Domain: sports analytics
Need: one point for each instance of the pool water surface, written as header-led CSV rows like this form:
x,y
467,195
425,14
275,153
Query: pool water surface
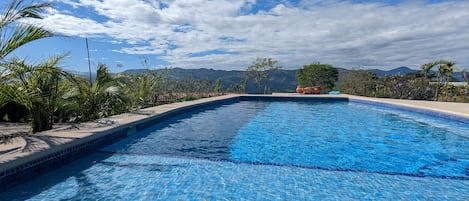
x,y
273,150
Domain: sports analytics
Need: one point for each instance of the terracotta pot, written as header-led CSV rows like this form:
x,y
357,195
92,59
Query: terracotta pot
x,y
316,89
307,90
299,89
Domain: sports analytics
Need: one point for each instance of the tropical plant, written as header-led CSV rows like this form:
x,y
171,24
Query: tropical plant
x,y
103,98
359,82
260,70
239,87
14,33
318,74
145,88
36,87
427,69
445,70
218,88
410,86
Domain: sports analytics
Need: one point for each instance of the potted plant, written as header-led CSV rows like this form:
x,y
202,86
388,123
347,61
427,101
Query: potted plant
x,y
299,89
316,89
307,90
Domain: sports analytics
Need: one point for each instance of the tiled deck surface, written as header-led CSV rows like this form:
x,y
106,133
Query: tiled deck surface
x,y
20,150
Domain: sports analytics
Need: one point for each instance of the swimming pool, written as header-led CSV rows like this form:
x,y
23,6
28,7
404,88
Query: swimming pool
x,y
273,150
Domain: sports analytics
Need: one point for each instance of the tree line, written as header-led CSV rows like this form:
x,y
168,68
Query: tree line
x,y
429,84
433,83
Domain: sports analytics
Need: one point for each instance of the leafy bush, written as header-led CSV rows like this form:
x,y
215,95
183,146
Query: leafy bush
x,y
410,86
318,74
359,82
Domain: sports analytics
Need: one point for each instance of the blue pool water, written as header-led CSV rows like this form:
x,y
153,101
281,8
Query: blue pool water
x,y
265,150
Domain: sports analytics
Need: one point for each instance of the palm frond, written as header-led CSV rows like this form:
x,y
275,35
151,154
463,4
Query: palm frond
x,y
16,93
22,34
17,10
13,32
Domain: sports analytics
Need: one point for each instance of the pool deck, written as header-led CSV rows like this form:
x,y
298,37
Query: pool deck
x,y
22,150
451,108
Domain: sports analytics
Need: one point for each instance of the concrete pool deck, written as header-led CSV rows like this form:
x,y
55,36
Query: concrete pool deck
x,y
27,151
450,108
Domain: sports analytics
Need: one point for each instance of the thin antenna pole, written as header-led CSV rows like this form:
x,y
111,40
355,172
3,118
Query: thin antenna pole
x,y
89,61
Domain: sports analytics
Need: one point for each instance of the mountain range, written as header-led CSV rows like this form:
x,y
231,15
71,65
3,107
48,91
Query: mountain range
x,y
279,81
397,71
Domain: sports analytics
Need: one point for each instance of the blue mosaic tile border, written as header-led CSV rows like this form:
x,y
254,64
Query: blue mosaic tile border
x,y
292,98
413,109
36,167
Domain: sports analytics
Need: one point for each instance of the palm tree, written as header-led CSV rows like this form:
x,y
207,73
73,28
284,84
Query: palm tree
x,y
260,70
446,73
103,98
36,87
15,34
426,69
143,88
445,69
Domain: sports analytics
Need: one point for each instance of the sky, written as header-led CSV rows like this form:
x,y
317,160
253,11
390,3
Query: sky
x,y
231,34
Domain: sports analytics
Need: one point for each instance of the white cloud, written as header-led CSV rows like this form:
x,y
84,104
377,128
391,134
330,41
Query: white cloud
x,y
337,32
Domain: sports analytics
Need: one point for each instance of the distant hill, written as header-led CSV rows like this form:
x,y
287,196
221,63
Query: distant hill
x,y
397,71
279,81
404,70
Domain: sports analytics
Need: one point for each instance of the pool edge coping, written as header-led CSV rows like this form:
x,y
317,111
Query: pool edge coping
x,y
413,107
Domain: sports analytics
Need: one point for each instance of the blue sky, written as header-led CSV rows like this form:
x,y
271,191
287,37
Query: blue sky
x,y
230,34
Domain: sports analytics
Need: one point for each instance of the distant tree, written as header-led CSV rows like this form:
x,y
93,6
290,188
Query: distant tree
x,y
464,74
427,69
260,70
359,82
446,68
409,86
143,88
239,87
318,74
218,88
